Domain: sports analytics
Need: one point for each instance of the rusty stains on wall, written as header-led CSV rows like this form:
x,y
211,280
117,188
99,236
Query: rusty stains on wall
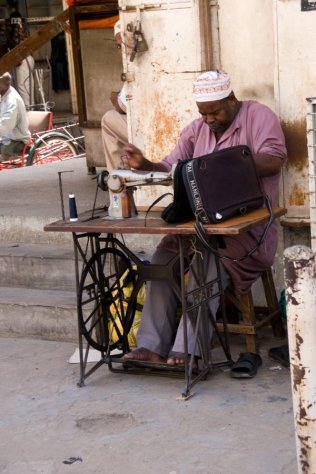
x,y
297,196
165,132
296,143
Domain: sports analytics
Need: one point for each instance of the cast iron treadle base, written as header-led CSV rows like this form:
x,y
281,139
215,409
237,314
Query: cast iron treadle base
x,y
138,366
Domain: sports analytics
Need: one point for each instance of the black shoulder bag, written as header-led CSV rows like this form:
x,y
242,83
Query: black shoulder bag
x,y
180,209
215,187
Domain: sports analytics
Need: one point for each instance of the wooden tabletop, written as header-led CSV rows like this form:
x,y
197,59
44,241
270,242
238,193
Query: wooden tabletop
x,y
99,223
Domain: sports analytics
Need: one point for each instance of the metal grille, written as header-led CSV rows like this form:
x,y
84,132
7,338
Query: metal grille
x,y
311,144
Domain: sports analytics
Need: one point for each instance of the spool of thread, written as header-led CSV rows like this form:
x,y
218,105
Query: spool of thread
x,y
72,208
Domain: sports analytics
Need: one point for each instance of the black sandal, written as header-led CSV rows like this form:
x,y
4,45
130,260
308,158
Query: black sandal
x,y
280,354
246,366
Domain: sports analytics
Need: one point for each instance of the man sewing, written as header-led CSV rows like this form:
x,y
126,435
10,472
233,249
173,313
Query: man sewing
x,y
114,122
225,121
14,132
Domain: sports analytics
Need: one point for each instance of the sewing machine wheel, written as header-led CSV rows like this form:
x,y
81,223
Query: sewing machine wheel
x,y
105,316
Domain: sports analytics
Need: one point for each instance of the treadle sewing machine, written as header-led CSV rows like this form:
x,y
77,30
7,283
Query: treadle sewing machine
x,y
101,259
121,184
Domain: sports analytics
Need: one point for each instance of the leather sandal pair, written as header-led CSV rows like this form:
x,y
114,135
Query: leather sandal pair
x,y
246,366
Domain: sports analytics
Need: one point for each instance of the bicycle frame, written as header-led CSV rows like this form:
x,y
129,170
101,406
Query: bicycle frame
x,y
51,143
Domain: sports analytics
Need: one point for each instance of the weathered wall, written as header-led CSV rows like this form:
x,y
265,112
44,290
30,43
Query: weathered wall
x,y
160,79
297,80
102,68
247,47
268,47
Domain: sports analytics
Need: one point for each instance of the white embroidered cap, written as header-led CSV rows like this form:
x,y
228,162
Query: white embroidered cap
x,y
211,86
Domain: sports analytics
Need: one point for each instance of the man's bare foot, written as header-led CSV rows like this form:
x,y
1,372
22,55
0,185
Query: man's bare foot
x,y
145,355
178,359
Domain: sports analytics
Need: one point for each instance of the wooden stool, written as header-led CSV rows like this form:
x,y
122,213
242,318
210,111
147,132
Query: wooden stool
x,y
254,318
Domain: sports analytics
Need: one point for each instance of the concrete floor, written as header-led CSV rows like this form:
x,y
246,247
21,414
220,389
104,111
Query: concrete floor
x,y
34,191
122,423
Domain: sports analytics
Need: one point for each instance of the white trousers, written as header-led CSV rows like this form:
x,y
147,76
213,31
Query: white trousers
x,y
114,137
158,323
24,80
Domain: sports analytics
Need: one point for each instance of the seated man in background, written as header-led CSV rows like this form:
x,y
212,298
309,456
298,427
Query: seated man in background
x,y
225,122
14,131
113,123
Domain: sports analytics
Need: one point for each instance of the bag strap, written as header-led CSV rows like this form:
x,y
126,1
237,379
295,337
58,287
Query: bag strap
x,y
201,232
156,202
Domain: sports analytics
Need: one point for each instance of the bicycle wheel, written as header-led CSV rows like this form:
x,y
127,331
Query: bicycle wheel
x,y
104,316
52,147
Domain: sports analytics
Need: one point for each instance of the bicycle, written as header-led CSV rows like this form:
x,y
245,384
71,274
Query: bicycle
x,y
47,144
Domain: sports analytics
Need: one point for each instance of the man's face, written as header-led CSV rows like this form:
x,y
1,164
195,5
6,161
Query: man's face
x,y
218,115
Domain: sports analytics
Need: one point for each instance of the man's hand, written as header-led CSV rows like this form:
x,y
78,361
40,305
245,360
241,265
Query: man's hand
x,y
132,157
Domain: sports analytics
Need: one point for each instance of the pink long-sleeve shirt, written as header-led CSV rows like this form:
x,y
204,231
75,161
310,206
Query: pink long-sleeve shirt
x,y
258,127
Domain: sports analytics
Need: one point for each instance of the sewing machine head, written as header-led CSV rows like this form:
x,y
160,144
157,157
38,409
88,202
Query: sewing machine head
x,y
120,181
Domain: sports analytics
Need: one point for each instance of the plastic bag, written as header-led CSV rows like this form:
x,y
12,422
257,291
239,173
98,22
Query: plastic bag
x,y
114,332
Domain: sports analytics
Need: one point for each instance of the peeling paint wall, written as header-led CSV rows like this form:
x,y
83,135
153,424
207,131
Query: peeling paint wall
x,y
247,48
160,100
268,47
297,80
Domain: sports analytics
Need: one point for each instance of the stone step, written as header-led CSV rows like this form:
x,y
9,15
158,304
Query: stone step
x,y
43,314
37,266
44,266
30,229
